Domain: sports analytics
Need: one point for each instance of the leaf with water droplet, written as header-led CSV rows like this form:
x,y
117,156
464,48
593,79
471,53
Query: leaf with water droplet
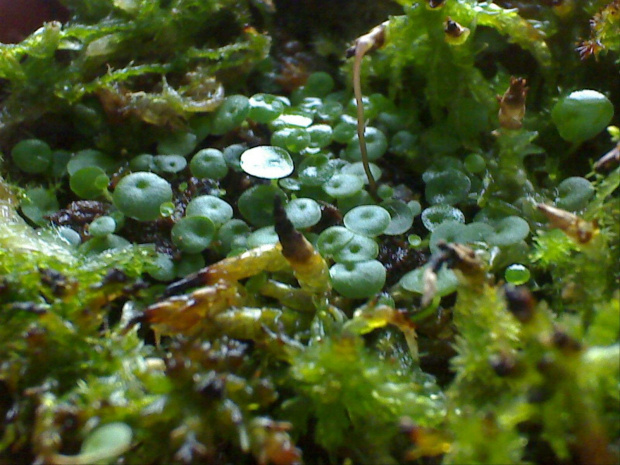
x,y
267,162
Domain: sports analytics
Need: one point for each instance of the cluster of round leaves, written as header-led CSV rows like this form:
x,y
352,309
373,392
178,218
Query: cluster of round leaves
x,y
88,169
301,156
313,157
451,184
145,194
356,272
578,116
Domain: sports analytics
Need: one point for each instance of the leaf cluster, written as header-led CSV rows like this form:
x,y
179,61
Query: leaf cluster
x,y
405,352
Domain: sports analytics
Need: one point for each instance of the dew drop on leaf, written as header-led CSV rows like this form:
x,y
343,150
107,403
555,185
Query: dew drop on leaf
x,y
267,162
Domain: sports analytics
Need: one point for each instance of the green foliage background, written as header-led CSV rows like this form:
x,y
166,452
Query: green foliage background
x,y
499,379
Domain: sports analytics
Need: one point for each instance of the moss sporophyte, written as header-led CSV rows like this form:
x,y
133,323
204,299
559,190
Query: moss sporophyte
x,y
223,242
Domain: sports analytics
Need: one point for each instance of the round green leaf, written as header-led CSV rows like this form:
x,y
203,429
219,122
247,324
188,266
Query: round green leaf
x,y
193,234
89,158
169,163
214,208
433,216
509,230
415,207
208,163
320,135
343,185
414,240
447,187
447,281
303,213
264,108
404,144
293,139
189,263
574,194
359,248
582,115
357,169
162,268
178,143
376,145
230,114
319,84
256,204
358,280
440,165
233,235
290,184
70,236
106,442
32,156
60,158
359,198
368,220
293,117
401,214
308,104
102,226
139,195
97,245
345,130
477,232
262,236
142,162
329,112
267,162
89,183
232,156
316,170
475,163
333,239
448,231
38,204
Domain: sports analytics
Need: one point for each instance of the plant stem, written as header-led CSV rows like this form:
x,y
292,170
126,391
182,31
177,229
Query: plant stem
x,y
361,123
364,44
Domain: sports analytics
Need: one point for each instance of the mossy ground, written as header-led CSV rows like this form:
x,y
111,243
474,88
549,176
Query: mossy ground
x,y
447,364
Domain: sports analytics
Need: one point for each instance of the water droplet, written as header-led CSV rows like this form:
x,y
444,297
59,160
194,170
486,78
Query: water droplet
x,y
517,274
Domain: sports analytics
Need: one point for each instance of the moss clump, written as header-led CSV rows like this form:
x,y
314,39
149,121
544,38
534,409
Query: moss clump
x,y
312,312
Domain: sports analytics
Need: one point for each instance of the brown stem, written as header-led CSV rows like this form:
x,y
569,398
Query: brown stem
x,y
361,123
364,44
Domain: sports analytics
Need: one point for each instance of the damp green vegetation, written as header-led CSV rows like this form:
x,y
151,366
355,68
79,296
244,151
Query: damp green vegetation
x,y
199,262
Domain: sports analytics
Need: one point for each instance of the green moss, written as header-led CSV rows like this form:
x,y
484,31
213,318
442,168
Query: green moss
x,y
114,51
428,357
355,396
